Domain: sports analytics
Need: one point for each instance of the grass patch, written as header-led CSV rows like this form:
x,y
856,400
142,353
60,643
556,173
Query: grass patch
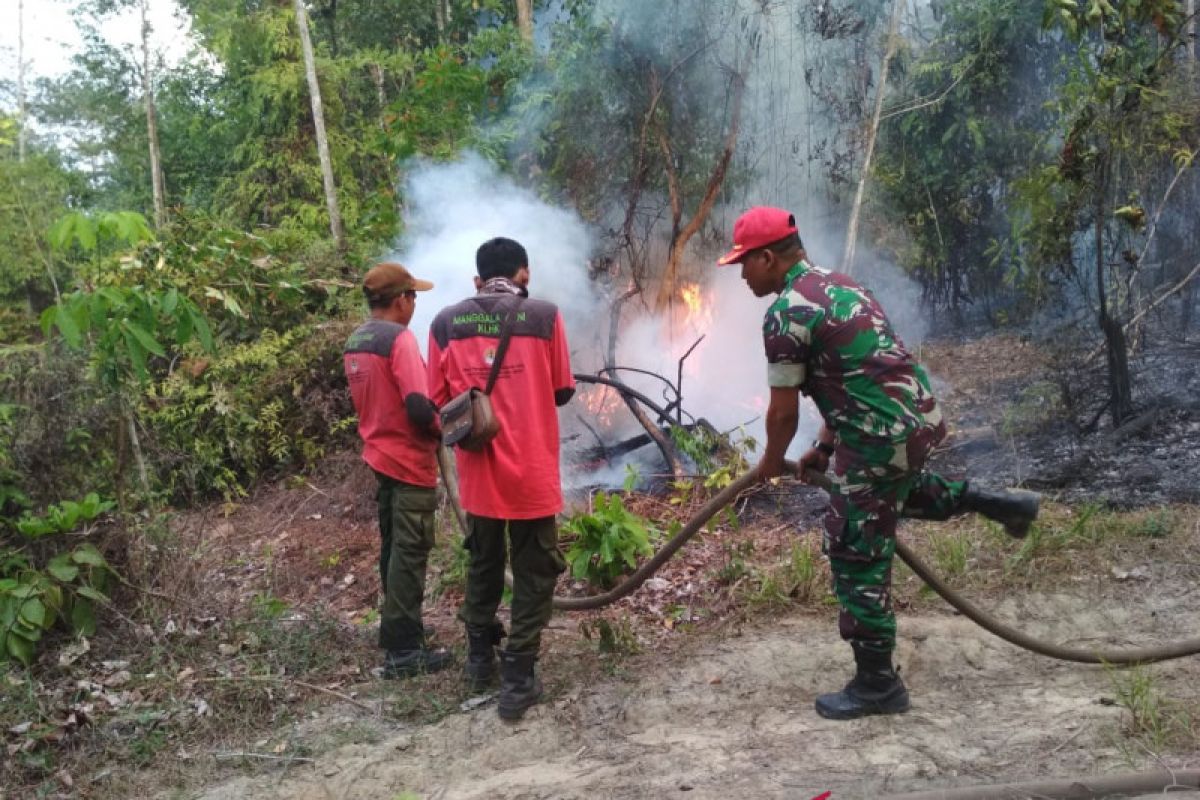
x,y
1089,539
1152,724
800,578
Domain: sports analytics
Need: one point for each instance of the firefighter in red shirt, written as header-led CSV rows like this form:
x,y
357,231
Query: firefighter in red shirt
x,y
512,485
399,427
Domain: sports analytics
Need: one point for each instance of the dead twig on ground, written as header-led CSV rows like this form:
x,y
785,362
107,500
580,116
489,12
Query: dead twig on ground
x,y
225,756
303,684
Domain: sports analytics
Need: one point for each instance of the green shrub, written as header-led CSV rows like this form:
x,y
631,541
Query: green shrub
x,y
276,402
57,431
608,540
61,586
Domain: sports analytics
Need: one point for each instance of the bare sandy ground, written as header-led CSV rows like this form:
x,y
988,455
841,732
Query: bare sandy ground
x,y
733,717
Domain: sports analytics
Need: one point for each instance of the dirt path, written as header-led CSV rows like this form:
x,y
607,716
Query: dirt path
x,y
734,718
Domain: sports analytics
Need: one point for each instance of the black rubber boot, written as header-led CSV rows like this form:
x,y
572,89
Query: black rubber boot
x,y
482,641
875,689
519,685
414,658
1012,508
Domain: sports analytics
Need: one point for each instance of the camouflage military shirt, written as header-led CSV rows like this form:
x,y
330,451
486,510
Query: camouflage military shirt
x,y
828,336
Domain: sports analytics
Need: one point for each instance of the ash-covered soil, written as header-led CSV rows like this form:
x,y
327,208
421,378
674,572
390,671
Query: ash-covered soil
x,y
1019,418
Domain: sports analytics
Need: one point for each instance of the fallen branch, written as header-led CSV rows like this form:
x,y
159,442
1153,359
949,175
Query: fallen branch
x,y
275,679
264,756
630,395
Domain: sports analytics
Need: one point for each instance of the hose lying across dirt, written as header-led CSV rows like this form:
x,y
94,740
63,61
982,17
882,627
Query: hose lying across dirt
x,y
1141,655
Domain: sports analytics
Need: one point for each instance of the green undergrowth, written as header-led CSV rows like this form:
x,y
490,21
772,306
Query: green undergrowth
x,y
972,552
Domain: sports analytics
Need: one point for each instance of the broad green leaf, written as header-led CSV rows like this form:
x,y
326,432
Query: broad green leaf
x,y
183,328
112,295
203,332
137,355
59,235
147,341
62,569
33,611
67,326
83,617
46,320
88,554
19,649
91,594
26,631
85,231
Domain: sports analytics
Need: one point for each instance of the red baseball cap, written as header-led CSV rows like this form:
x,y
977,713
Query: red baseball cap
x,y
758,227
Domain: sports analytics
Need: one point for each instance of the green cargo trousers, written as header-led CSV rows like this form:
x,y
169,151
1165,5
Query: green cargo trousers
x,y
536,565
873,486
406,528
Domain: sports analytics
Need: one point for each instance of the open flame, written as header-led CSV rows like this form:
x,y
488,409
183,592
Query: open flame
x,y
602,404
699,315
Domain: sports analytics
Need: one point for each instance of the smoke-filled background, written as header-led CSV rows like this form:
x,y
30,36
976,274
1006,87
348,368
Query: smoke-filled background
x,y
451,208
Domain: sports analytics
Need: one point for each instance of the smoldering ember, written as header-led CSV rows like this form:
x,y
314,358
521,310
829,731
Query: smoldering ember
x,y
595,399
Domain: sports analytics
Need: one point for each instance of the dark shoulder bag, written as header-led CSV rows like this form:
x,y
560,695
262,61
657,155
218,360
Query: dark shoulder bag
x,y
468,420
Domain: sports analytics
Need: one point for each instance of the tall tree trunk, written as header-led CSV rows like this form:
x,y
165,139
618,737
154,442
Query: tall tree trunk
x,y
314,92
1190,295
889,50
681,235
1120,391
443,16
156,174
21,81
525,19
1191,33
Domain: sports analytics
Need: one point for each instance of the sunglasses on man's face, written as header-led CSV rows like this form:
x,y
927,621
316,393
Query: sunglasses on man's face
x,y
411,294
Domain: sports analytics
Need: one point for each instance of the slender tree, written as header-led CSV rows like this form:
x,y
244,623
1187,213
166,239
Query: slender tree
x,y
156,173
525,19
872,134
682,233
21,121
314,91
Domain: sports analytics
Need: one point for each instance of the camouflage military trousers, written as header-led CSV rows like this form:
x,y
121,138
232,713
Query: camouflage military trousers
x,y
536,565
873,486
406,531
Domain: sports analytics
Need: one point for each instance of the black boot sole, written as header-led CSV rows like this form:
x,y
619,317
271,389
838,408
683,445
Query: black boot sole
x,y
897,705
511,713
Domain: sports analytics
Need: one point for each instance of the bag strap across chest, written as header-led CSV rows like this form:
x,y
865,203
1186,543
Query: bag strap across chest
x,y
502,347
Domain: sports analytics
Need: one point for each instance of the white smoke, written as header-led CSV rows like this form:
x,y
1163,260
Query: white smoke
x,y
453,208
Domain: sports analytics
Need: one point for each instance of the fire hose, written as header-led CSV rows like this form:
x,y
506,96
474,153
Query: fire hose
x,y
1127,657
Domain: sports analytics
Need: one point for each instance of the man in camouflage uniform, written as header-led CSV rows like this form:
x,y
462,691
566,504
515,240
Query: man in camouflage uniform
x,y
827,337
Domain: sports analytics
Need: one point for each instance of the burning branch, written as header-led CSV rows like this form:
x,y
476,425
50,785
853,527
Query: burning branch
x,y
681,236
637,403
632,398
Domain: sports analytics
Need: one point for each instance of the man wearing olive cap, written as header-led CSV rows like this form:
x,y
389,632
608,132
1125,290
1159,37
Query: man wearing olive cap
x,y
399,427
827,337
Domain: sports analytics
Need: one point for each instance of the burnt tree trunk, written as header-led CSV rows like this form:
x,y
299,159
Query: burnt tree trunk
x,y
681,235
1120,389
